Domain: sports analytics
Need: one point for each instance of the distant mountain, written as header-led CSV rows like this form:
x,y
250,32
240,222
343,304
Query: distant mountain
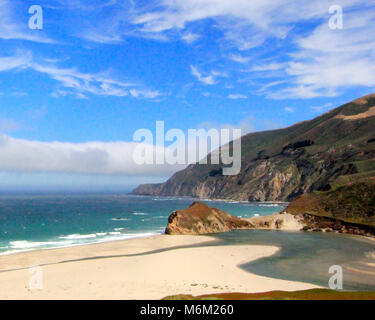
x,y
329,151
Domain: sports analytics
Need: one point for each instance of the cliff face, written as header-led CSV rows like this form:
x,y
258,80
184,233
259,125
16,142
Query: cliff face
x,y
281,165
201,219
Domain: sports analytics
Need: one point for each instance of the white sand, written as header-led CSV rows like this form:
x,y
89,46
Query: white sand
x,y
199,270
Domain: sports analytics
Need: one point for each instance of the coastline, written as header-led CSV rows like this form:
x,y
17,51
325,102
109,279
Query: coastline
x,y
72,245
142,268
115,224
230,200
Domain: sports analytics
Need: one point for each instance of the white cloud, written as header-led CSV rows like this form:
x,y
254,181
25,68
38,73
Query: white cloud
x,y
108,158
269,67
97,84
316,63
237,96
144,93
239,58
190,37
323,61
208,79
319,62
328,61
102,158
322,108
246,23
19,61
289,109
74,82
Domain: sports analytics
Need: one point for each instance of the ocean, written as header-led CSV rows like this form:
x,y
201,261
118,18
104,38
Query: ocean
x,y
44,221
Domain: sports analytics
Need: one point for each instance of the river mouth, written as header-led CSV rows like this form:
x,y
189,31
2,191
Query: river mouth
x,y
307,256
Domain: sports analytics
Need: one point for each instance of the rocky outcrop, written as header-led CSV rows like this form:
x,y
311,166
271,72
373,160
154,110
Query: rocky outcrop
x,y
324,224
278,221
280,165
201,219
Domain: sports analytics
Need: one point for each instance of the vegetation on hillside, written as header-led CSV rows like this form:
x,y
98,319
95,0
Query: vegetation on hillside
x,y
352,203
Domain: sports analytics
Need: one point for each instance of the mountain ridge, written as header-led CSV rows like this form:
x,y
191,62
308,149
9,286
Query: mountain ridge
x,y
280,165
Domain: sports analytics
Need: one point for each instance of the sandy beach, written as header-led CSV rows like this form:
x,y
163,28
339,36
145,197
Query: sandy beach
x,y
144,268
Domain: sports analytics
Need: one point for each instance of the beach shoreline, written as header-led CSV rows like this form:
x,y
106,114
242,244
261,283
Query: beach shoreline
x,y
140,268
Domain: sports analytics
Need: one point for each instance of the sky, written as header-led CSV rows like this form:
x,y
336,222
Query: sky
x,y
73,93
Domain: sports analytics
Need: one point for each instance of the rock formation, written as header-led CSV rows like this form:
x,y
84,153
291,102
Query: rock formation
x,y
201,219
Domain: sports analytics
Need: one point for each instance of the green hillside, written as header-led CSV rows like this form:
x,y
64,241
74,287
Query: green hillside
x,y
280,165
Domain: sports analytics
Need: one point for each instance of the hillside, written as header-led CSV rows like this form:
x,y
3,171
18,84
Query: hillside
x,y
347,209
280,165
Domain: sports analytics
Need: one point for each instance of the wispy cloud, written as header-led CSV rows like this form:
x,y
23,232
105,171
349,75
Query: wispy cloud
x,y
209,78
190,37
289,109
245,23
18,61
237,96
300,61
322,62
322,108
239,58
151,94
72,81
269,67
328,61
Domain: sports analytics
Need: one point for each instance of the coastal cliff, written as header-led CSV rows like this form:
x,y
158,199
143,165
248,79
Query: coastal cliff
x,y
280,165
201,219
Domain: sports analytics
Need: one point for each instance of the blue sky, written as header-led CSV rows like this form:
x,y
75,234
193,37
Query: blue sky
x,y
100,70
